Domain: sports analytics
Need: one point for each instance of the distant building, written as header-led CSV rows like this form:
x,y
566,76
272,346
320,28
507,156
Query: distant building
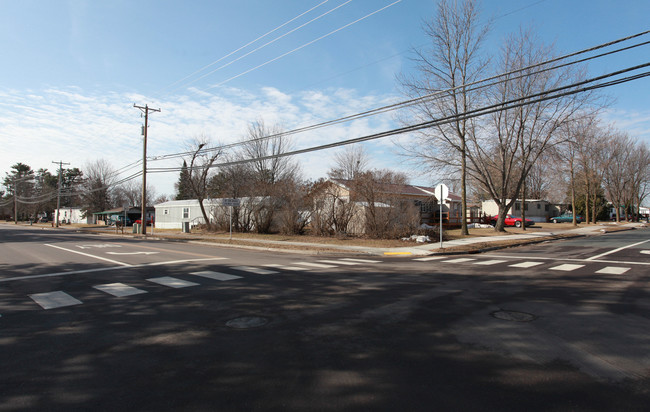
x,y
71,215
535,209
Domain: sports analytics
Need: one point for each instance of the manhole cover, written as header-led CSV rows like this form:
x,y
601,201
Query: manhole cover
x,y
247,322
513,315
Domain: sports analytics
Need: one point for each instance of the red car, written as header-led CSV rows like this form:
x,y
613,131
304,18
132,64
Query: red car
x,y
511,221
150,221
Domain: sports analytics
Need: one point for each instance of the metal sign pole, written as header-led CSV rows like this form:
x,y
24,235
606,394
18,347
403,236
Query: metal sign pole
x,y
441,192
440,201
230,222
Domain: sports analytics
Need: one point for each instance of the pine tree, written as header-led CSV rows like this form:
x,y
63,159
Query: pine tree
x,y
183,187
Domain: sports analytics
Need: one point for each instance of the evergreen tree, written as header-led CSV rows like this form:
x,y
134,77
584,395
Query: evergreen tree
x,y
183,187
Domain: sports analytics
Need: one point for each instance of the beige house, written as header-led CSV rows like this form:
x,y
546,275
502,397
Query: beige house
x,y
350,207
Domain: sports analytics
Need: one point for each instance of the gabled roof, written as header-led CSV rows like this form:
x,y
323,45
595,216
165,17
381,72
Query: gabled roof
x,y
397,189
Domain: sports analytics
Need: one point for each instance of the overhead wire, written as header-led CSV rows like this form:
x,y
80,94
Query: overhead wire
x,y
473,86
302,46
240,48
270,42
577,87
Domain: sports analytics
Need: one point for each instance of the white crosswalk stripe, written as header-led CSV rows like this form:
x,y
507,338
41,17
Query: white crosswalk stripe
x,y
567,267
613,270
315,265
172,282
361,260
119,289
53,300
215,275
253,269
429,258
459,260
339,262
525,264
489,262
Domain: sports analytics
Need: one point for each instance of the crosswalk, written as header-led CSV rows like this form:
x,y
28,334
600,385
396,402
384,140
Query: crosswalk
x,y
525,264
58,299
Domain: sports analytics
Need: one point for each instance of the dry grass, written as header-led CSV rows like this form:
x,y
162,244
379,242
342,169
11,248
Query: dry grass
x,y
312,243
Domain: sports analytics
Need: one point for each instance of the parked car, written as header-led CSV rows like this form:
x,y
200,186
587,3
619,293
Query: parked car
x,y
150,221
121,221
510,221
566,217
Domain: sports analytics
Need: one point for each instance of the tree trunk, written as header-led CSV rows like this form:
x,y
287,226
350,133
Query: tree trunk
x,y
464,231
573,196
208,225
499,226
587,201
523,206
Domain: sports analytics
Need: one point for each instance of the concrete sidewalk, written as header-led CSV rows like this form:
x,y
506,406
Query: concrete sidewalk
x,y
433,248
451,246
463,245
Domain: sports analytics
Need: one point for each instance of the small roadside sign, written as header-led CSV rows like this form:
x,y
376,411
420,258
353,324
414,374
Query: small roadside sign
x,y
231,202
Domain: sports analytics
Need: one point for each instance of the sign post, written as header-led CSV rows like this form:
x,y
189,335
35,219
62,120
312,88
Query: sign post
x,y
232,203
442,191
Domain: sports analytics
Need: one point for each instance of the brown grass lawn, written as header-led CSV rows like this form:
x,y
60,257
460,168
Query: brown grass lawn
x,y
257,239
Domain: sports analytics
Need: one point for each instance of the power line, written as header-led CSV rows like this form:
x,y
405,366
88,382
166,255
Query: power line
x,y
514,103
302,46
270,42
241,48
478,85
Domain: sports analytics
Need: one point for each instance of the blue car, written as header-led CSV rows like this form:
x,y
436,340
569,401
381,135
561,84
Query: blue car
x,y
566,218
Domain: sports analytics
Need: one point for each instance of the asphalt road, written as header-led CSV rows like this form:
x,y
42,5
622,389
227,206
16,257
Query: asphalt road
x,y
92,322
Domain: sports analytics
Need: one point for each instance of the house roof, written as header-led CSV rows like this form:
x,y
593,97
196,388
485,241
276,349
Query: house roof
x,y
397,189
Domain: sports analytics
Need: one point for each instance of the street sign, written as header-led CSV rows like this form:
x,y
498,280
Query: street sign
x,y
442,191
231,202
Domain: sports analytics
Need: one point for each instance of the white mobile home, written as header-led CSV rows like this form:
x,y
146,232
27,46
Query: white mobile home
x,y
172,214
536,210
71,215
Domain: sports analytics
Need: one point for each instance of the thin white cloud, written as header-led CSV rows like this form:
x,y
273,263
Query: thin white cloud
x,y
67,124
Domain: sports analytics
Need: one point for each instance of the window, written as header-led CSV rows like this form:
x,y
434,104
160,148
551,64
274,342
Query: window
x,y
546,208
165,211
517,207
539,206
186,213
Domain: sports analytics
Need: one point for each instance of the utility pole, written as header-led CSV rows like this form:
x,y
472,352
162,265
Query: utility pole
x,y
15,201
58,194
143,217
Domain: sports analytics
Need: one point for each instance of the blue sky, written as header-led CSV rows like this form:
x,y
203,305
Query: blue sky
x,y
73,69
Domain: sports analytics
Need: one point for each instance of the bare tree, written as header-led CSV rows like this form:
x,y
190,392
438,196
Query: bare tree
x,y
640,169
332,212
349,163
270,172
201,162
448,67
98,186
387,214
514,138
617,178
130,193
579,136
263,147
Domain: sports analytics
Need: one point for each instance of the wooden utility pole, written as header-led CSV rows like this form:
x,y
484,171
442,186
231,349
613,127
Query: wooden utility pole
x,y
58,194
143,217
15,201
